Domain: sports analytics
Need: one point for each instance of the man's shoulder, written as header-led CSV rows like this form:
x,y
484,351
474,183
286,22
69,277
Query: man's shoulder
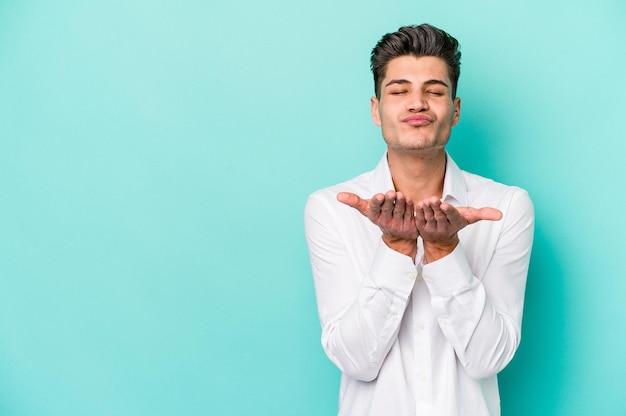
x,y
322,205
359,185
491,191
476,181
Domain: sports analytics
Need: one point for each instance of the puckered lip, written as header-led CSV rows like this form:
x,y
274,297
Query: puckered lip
x,y
417,119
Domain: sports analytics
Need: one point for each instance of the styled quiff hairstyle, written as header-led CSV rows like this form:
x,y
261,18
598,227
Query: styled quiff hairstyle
x,y
422,40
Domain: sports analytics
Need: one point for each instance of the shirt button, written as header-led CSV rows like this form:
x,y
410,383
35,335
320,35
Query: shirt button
x,y
427,279
444,321
412,275
394,317
421,326
419,278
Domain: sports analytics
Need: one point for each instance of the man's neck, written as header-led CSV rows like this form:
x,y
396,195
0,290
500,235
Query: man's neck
x,y
418,174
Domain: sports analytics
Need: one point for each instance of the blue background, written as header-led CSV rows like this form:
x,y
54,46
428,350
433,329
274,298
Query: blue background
x,y
155,158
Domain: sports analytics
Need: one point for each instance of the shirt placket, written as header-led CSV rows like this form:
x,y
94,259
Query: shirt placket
x,y
422,347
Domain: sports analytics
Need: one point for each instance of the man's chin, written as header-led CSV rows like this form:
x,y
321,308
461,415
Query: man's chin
x,y
416,147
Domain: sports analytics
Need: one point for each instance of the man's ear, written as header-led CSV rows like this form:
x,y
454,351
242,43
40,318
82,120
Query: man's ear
x,y
375,112
457,111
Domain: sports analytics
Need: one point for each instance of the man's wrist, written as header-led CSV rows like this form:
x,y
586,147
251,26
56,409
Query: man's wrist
x,y
434,251
408,247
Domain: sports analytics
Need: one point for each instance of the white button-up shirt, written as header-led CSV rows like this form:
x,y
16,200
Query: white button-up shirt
x,y
415,338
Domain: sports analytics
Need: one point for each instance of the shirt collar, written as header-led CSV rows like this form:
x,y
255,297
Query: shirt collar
x,y
381,177
454,189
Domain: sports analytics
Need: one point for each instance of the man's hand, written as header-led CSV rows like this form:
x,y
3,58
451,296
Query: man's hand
x,y
393,214
438,223
402,222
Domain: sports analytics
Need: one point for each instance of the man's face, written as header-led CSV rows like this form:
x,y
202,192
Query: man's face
x,y
416,109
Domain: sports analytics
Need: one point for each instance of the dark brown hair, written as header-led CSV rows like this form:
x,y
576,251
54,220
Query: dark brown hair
x,y
422,40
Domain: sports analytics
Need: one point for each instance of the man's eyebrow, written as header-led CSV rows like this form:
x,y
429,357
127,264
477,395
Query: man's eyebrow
x,y
436,82
397,81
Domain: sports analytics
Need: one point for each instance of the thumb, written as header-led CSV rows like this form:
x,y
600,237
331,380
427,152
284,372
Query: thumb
x,y
354,201
473,215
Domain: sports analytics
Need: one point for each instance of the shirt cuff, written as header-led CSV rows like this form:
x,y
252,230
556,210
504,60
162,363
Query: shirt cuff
x,y
449,275
392,270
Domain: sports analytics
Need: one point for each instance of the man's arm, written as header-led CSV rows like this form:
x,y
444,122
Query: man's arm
x,y
362,285
481,318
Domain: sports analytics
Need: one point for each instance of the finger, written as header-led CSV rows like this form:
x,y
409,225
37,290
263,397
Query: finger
x,y
400,206
375,206
409,210
425,220
472,215
489,214
440,216
420,218
387,206
453,216
429,214
354,201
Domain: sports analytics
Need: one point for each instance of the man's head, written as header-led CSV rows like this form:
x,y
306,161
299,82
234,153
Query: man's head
x,y
416,71
422,40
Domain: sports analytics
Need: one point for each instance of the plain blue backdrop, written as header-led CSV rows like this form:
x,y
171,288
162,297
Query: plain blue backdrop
x,y
155,158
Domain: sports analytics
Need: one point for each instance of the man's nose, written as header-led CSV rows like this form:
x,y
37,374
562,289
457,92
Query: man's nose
x,y
417,101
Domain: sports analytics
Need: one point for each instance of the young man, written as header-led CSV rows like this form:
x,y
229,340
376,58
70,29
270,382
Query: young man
x,y
419,267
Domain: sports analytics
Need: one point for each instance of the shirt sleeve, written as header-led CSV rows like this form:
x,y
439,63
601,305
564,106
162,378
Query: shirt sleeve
x,y
360,306
481,318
